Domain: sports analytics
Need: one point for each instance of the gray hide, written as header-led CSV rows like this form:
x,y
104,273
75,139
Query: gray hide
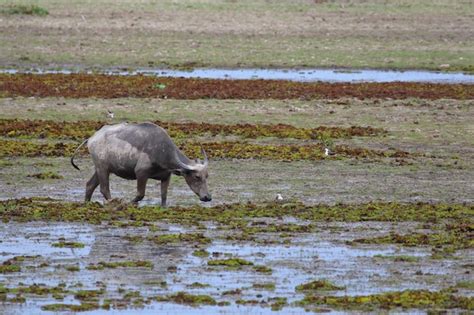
x,y
141,151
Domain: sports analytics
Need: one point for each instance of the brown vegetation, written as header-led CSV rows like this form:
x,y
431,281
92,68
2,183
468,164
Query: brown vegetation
x,y
107,86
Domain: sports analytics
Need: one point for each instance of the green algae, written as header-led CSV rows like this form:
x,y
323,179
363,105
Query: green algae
x,y
262,269
30,209
400,258
197,285
187,299
125,264
88,295
135,239
279,228
9,268
201,253
248,302
17,299
73,268
132,295
58,307
36,289
421,299
277,303
318,285
158,282
232,292
62,244
467,284
265,286
450,237
167,239
230,262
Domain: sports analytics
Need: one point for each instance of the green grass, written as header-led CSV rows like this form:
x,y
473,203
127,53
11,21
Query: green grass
x,y
230,262
242,51
63,244
318,285
23,10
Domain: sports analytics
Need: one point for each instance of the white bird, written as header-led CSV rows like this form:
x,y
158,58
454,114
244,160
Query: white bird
x,y
328,152
110,114
279,197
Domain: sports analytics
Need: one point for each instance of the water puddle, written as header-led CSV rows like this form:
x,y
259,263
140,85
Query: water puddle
x,y
322,254
298,75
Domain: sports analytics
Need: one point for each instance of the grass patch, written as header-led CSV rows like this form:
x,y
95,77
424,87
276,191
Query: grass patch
x,y
24,10
63,244
318,285
265,286
468,284
88,295
451,236
262,269
187,299
30,209
198,285
46,175
59,307
125,264
400,258
79,130
230,262
161,283
277,303
419,299
73,268
168,239
201,253
225,149
36,289
9,268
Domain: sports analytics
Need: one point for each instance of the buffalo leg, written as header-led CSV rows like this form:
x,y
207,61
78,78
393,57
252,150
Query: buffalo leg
x,y
141,186
164,190
91,186
104,183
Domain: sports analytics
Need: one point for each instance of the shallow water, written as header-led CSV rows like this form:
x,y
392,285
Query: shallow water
x,y
299,75
322,254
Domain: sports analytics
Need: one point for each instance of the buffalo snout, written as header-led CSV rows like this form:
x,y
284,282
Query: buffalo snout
x,y
206,198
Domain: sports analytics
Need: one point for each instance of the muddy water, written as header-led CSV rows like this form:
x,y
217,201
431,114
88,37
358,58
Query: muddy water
x,y
299,75
319,182
322,254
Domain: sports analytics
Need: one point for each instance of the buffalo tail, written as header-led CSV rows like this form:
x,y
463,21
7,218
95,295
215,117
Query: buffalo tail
x,y
75,152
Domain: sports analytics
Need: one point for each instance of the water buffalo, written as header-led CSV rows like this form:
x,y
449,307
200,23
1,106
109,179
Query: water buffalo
x,y
141,151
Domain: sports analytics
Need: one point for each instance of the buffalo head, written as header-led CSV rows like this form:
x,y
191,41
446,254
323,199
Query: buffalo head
x,y
196,176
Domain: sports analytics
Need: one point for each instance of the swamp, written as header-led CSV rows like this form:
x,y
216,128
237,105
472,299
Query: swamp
x,y
340,138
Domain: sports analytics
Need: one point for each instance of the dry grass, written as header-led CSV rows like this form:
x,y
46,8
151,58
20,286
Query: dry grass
x,y
374,33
